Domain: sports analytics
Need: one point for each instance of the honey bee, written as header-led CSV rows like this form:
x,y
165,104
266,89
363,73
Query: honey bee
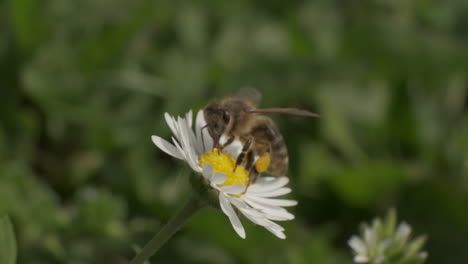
x,y
237,117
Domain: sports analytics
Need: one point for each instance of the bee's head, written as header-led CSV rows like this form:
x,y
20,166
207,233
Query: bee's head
x,y
217,119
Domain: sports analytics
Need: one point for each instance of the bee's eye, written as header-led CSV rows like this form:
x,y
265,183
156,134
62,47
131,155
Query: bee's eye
x,y
226,116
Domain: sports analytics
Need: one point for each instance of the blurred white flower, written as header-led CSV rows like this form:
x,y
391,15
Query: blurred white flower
x,y
384,242
255,200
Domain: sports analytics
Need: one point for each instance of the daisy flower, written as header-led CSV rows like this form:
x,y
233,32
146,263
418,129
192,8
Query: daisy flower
x,y
255,201
385,242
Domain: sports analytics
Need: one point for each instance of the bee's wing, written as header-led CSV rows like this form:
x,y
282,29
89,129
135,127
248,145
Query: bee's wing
x,y
288,111
250,94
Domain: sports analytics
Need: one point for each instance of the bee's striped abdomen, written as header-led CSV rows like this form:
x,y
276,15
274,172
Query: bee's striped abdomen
x,y
267,138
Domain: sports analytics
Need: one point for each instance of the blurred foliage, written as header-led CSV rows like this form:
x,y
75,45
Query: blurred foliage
x,y
84,84
7,241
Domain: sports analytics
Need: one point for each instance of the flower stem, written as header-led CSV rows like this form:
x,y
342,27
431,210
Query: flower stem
x,y
191,207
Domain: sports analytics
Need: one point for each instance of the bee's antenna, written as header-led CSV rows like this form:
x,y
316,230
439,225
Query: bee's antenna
x,y
288,111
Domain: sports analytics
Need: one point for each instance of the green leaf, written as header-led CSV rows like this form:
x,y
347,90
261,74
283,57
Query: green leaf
x,y
27,22
390,222
7,241
368,182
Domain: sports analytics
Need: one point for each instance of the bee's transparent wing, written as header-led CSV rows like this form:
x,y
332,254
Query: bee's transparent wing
x,y
250,94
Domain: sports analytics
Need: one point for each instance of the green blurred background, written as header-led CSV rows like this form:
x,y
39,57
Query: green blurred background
x,y
84,84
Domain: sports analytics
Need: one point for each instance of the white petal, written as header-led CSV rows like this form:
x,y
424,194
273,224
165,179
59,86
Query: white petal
x,y
245,208
181,150
196,146
276,232
260,205
202,133
276,202
383,245
218,178
357,245
380,259
195,143
369,236
238,202
269,225
229,211
266,184
274,225
235,148
423,255
187,145
167,147
199,123
274,193
279,215
189,118
184,130
193,165
172,124
403,232
207,139
271,212
223,139
361,259
256,217
207,172
233,189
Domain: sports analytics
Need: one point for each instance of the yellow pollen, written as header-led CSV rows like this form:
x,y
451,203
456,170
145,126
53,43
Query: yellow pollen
x,y
263,163
226,164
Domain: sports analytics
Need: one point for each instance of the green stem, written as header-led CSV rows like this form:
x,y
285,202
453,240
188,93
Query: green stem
x,y
192,206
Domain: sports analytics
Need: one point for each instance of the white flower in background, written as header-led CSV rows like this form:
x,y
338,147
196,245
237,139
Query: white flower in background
x,y
385,243
255,201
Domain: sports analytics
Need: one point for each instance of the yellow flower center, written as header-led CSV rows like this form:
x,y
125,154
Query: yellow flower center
x,y
226,164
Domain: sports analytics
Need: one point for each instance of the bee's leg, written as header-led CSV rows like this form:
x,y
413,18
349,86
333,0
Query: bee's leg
x,y
244,152
250,160
221,147
228,142
250,166
255,167
263,162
